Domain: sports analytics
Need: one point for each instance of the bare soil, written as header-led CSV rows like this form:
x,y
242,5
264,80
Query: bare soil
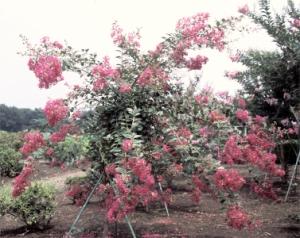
x,y
278,219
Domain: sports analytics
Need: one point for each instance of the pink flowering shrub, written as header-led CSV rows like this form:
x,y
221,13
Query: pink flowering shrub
x,y
144,128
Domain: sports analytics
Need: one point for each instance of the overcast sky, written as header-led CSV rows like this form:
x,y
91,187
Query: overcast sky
x,y
87,24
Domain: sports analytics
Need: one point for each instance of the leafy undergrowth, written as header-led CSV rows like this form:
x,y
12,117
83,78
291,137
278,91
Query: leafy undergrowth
x,y
276,219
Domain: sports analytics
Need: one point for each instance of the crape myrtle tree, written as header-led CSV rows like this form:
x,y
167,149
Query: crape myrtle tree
x,y
144,128
272,78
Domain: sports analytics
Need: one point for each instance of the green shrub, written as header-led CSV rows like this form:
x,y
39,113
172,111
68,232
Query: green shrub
x,y
11,139
10,164
35,207
5,200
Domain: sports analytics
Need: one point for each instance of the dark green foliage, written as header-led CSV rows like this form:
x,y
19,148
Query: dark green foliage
x,y
274,74
10,143
10,164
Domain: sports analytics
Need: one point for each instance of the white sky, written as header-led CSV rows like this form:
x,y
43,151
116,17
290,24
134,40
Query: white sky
x,y
87,24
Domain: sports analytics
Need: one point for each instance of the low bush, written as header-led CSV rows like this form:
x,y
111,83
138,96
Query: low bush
x,y
35,206
10,164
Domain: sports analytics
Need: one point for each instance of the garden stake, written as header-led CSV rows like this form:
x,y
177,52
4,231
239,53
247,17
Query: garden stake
x,y
166,205
292,178
84,205
126,217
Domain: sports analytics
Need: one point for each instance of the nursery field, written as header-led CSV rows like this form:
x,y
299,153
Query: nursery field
x,y
275,218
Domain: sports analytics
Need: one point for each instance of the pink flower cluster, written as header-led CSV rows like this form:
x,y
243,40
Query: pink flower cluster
x,y
232,74
244,9
216,116
201,99
61,134
55,44
123,199
195,30
47,69
254,149
55,111
132,39
235,58
125,88
151,76
264,190
127,145
237,218
242,115
296,23
141,169
198,187
102,72
33,141
191,26
232,152
196,63
228,179
21,181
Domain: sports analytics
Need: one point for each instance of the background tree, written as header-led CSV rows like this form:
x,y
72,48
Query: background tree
x,y
272,79
17,119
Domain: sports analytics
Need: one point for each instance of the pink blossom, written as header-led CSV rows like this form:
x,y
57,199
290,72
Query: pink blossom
x,y
237,218
201,99
99,84
216,116
21,181
33,141
259,119
265,190
204,131
184,132
244,9
232,153
242,103
61,134
191,26
110,169
158,50
151,76
131,39
47,69
127,145
232,74
235,58
125,88
49,152
142,170
296,23
76,115
102,73
55,111
228,179
242,115
196,63
57,45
